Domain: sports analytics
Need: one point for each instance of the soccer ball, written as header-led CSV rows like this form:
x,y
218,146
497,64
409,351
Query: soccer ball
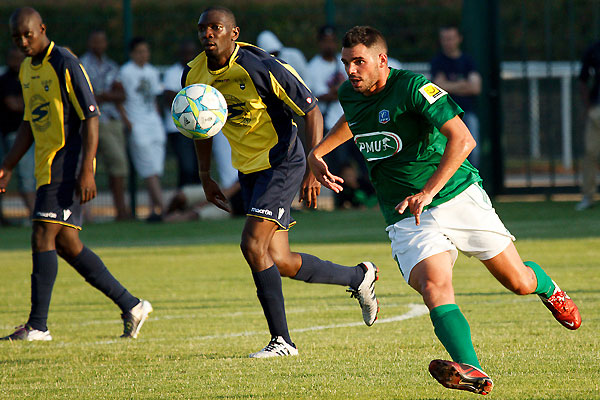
x,y
199,111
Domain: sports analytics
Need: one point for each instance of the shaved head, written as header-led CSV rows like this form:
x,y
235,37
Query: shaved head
x,y
28,31
25,13
229,16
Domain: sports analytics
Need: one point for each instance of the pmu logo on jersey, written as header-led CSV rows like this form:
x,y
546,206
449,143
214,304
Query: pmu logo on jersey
x,y
432,92
40,112
384,116
378,145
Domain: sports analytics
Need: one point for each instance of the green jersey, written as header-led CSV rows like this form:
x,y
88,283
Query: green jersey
x,y
397,132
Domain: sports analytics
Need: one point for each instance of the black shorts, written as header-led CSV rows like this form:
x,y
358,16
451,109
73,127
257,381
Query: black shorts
x,y
269,194
58,203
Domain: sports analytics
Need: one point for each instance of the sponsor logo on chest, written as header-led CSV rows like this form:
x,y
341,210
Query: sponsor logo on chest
x,y
378,145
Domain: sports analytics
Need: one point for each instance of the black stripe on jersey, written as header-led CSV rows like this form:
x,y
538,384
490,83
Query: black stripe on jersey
x,y
258,64
66,159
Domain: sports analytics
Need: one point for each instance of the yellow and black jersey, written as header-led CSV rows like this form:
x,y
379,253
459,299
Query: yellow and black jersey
x,y
58,96
261,93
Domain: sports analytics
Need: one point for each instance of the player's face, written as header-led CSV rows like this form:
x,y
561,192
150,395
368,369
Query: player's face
x,y
366,68
217,35
29,35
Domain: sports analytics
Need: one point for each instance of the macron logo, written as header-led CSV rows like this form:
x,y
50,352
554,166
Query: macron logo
x,y
66,214
281,211
261,211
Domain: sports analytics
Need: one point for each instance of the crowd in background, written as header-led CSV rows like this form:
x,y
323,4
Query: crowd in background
x,y
136,124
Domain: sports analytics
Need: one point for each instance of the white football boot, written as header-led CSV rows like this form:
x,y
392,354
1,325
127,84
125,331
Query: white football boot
x,y
365,294
135,318
277,347
27,333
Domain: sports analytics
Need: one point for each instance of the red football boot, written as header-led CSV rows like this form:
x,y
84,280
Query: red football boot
x,y
455,375
563,308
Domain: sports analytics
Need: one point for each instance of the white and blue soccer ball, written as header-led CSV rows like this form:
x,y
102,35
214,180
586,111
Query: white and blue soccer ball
x,y
199,111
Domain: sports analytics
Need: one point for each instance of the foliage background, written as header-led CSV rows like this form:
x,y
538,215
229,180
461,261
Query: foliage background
x,y
549,30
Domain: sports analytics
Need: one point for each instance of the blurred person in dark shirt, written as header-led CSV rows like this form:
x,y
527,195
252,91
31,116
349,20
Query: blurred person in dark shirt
x,y
589,80
11,114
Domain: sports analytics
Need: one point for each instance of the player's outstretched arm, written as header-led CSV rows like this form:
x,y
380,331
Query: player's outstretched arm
x,y
310,187
459,146
86,184
339,134
211,188
22,143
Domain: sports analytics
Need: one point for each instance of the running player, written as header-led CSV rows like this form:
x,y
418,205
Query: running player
x,y
61,117
262,92
415,144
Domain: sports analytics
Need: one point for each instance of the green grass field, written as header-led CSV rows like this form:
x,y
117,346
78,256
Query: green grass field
x,y
207,318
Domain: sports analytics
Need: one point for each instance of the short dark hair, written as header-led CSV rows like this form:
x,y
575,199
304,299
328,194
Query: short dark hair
x,y
365,35
326,30
224,10
136,41
449,27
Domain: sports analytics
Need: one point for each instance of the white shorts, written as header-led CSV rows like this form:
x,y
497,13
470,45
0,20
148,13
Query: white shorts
x,y
467,223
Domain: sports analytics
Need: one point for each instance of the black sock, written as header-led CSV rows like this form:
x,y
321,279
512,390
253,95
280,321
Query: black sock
x,y
270,295
315,270
91,267
45,268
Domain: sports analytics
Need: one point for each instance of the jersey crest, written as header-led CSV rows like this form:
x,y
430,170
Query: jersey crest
x,y
384,116
378,145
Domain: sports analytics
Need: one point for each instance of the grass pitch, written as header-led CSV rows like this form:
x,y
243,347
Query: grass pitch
x,y
207,318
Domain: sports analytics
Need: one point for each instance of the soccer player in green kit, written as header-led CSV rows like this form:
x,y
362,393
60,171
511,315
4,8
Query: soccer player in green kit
x,y
415,144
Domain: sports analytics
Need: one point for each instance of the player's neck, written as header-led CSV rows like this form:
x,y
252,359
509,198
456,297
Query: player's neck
x,y
219,62
39,57
379,85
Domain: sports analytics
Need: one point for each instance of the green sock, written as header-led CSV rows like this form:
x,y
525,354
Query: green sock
x,y
545,286
452,329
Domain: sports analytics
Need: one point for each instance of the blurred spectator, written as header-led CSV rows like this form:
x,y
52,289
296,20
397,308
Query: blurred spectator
x,y
142,119
11,115
455,72
189,202
270,43
326,74
183,147
109,92
589,80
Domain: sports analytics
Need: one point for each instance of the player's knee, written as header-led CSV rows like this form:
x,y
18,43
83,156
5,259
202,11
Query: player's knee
x,y
42,238
433,288
252,250
68,246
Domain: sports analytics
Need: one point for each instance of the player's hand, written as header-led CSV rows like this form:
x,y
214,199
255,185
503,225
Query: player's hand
x,y
5,175
321,172
309,190
215,195
415,204
86,187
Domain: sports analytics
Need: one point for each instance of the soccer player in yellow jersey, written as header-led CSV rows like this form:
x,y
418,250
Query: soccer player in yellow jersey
x,y
61,117
262,92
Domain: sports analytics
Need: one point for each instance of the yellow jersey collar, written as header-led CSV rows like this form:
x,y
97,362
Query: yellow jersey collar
x,y
229,62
